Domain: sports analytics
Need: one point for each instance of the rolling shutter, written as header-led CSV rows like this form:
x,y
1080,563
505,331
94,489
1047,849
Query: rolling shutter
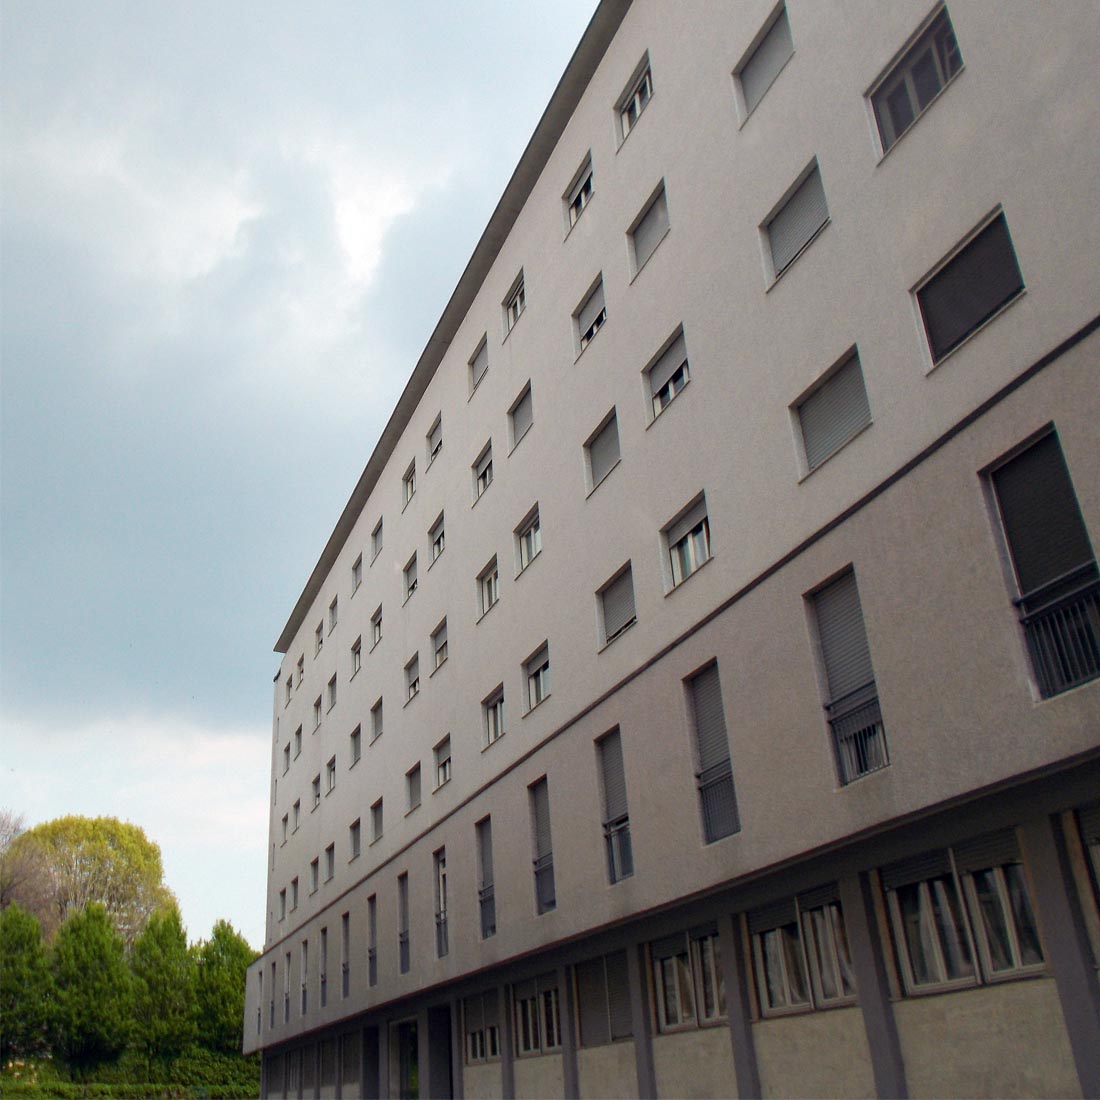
x,y
767,59
843,637
603,451
668,364
652,227
614,780
591,308
710,719
803,214
834,413
618,604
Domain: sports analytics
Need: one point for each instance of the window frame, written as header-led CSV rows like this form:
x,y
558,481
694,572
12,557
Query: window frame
x,y
584,338
684,550
492,707
475,379
524,395
408,485
528,536
634,99
692,978
637,262
536,670
579,193
745,110
439,649
442,763
515,302
488,582
653,410
435,448
437,539
482,468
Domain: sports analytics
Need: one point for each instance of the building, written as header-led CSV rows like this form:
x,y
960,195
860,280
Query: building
x,y
698,695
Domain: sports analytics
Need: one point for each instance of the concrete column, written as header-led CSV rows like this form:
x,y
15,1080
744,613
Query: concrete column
x,y
458,1089
738,1009
873,987
507,1048
568,1023
1065,942
640,1022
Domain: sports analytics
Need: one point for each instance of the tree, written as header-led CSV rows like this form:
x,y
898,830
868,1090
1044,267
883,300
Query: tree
x,y
22,874
26,986
79,860
164,989
223,962
92,1022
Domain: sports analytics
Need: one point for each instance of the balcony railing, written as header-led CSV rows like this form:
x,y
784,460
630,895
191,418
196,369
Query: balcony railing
x,y
860,737
441,934
1061,621
544,883
620,856
718,801
488,905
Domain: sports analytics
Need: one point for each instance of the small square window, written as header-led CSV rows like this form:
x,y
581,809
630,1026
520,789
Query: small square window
x,y
649,228
357,655
616,605
437,537
797,221
435,439
376,821
412,788
356,745
410,577
590,316
488,583
442,753
439,644
330,775
376,627
483,470
376,721
332,613
579,192
668,374
513,305
688,540
493,709
412,678
602,450
537,671
332,692
910,86
479,364
528,539
520,415
357,573
408,483
635,98
355,839
376,541
757,71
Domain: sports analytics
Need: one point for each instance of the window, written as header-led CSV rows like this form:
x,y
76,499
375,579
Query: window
x,y
764,61
591,315
286,758
852,708
521,415
688,541
282,905
439,644
910,86
634,100
486,898
717,798
408,483
435,439
330,862
479,364
481,1022
493,708
602,450
305,976
357,573
1054,565
616,819
376,626
538,1027
649,228
529,539
579,192
488,583
483,470
798,220
294,893
668,374
345,955
376,721
442,753
330,775
357,655
316,788
974,285
687,979
412,788
437,537
372,940
296,814
332,692
317,712
545,899
603,1000
355,745
796,934
301,669
319,638
537,670
616,605
323,968
403,922
289,689
297,742
355,839
376,540
513,304
412,677
409,575
948,906
834,411
286,1000
439,866
285,824
376,821
332,613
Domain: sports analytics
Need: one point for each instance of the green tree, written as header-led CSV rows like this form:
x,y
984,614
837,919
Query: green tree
x,y
26,986
92,1022
91,859
223,962
164,989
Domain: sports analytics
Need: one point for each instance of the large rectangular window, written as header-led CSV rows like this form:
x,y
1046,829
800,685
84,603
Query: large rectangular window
x,y
481,1023
717,799
403,923
1054,563
485,892
545,898
538,1026
616,817
442,944
603,1000
687,979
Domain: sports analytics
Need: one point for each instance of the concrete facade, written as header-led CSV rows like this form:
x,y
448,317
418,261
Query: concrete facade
x,y
365,796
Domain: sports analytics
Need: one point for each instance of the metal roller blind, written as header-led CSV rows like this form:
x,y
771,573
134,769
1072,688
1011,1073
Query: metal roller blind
x,y
540,802
522,416
669,363
916,869
669,946
491,1008
1089,817
803,214
592,1004
591,308
775,915
689,520
651,228
1042,521
834,413
766,61
603,451
474,1013
843,637
618,604
485,851
480,362
618,995
710,719
435,437
991,850
970,288
819,897
614,781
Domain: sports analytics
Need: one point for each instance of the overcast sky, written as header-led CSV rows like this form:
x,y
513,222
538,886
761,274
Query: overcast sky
x,y
227,232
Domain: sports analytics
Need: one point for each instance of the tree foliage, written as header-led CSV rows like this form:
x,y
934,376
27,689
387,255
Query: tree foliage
x,y
223,961
26,986
92,1022
164,989
75,861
